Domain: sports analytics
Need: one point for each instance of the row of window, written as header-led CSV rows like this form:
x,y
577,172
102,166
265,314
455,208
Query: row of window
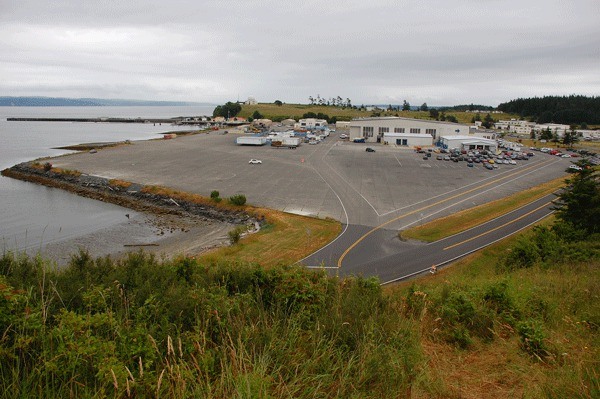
x,y
368,131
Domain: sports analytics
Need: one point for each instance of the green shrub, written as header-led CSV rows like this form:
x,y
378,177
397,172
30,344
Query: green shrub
x,y
533,338
238,199
496,297
137,327
523,254
415,302
460,336
214,195
463,317
235,235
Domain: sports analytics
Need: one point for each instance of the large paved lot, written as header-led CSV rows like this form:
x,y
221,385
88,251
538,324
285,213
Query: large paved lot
x,y
332,179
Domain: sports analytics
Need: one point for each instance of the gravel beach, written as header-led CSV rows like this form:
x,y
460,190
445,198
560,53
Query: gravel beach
x,y
166,236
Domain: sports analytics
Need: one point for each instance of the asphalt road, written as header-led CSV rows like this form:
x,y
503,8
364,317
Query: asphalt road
x,y
411,259
373,194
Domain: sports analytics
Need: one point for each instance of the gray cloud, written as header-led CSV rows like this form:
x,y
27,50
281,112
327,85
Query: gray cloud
x,y
381,51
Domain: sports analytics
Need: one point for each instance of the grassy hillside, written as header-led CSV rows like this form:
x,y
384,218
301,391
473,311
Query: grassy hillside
x,y
139,327
518,319
492,329
272,111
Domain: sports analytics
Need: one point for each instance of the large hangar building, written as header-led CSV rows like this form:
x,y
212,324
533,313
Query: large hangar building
x,y
404,132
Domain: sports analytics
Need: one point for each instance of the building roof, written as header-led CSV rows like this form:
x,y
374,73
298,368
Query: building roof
x,y
387,118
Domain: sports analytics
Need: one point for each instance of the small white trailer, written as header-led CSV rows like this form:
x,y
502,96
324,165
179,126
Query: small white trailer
x,y
251,140
291,142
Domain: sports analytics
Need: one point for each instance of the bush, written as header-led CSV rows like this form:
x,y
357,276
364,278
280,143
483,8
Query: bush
x,y
47,167
238,199
235,235
214,195
533,338
523,254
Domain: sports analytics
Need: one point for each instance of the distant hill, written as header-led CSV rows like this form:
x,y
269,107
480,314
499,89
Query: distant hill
x,y
85,102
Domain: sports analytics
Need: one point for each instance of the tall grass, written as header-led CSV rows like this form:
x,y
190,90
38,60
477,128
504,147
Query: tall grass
x,y
143,328
528,327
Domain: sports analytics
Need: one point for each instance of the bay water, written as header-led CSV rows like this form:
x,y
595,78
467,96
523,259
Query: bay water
x,y
31,215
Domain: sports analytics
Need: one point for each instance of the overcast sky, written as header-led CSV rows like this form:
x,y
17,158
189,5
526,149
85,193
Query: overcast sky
x,y
444,52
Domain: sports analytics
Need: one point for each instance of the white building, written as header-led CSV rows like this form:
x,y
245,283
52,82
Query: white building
x,y
483,134
251,101
515,126
311,124
408,139
554,128
342,125
469,143
374,129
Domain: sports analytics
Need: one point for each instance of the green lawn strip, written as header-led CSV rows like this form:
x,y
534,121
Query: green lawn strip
x,y
286,239
464,220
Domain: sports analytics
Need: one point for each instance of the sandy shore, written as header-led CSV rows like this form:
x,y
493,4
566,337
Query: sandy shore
x,y
167,236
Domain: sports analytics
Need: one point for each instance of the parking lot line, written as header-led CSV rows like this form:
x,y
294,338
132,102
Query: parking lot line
x,y
345,253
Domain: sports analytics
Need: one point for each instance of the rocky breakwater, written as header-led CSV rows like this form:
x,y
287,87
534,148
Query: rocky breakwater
x,y
129,195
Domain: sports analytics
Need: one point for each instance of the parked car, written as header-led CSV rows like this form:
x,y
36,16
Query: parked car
x,y
343,136
574,168
255,161
369,149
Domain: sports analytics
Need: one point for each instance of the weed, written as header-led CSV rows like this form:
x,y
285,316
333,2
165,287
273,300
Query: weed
x,y
236,234
533,338
238,199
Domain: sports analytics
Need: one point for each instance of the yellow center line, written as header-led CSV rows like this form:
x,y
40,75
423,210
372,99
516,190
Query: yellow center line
x,y
497,228
351,247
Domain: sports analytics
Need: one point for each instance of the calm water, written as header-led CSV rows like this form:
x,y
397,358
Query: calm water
x,y
32,215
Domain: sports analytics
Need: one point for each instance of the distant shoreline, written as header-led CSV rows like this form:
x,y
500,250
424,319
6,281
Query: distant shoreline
x,y
37,101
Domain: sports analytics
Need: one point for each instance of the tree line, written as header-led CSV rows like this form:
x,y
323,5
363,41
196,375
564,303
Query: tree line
x,y
568,110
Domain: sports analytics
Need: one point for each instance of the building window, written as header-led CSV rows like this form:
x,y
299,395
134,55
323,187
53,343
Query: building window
x,y
430,131
368,131
402,142
383,130
415,130
399,130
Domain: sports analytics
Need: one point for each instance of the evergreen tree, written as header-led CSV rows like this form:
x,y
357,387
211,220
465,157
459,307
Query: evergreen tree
x,y
579,203
229,110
